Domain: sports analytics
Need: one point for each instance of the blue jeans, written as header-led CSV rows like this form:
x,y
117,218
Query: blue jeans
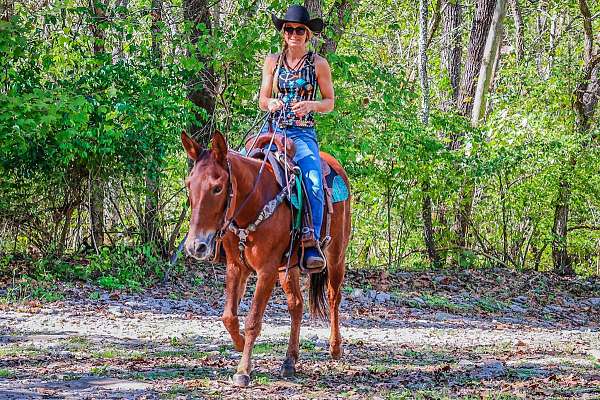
x,y
307,157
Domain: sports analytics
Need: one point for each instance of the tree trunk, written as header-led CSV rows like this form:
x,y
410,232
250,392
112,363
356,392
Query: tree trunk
x,y
487,63
426,206
6,10
559,230
452,49
541,28
587,32
519,29
586,97
151,233
479,32
118,53
96,198
202,89
337,20
315,9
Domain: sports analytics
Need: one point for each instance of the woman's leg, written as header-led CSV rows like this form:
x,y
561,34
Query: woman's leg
x,y
307,157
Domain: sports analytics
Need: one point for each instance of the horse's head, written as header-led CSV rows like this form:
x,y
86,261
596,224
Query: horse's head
x,y
207,186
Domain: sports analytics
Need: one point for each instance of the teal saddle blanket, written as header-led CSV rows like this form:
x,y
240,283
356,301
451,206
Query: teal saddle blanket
x,y
339,189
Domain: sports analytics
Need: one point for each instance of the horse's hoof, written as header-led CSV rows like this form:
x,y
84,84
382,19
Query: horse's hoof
x,y
287,370
336,354
241,380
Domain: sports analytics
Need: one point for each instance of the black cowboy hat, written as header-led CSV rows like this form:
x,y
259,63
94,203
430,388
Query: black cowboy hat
x,y
298,14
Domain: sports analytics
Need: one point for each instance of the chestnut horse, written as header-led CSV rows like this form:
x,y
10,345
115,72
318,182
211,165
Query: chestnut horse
x,y
219,174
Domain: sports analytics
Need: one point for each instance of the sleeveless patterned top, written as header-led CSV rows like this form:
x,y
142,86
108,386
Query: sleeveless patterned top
x,y
296,85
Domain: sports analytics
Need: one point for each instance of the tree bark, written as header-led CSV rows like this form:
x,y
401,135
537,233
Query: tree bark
x,y
452,49
487,63
315,9
337,20
587,31
559,230
202,88
584,105
519,29
6,9
541,28
426,206
96,198
479,32
151,233
118,52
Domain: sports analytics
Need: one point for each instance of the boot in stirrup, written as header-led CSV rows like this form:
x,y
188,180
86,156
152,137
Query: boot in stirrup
x,y
314,261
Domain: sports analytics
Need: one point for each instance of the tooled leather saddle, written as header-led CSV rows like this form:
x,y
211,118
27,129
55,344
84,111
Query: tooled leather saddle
x,y
280,157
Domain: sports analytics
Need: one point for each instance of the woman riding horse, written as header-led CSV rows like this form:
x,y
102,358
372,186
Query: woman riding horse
x,y
294,76
238,206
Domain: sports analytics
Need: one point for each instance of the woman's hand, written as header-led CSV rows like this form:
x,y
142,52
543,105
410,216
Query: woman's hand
x,y
275,105
302,108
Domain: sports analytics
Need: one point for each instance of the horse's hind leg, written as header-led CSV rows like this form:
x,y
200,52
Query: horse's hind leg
x,y
334,296
253,324
291,287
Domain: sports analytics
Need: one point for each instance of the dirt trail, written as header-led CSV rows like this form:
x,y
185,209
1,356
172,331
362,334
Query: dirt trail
x,y
399,343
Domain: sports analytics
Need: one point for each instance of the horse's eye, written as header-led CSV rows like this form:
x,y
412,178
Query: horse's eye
x,y
217,189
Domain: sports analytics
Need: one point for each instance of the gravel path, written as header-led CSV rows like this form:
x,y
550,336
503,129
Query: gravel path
x,y
147,347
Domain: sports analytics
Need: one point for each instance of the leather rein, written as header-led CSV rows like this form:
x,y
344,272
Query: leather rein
x,y
229,224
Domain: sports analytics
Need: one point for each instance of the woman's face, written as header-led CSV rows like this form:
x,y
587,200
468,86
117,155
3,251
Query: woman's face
x,y
291,35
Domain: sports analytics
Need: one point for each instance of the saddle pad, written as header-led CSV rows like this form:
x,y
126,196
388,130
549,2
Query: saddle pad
x,y
339,189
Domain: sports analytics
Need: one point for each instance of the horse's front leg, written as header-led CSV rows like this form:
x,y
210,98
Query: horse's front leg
x,y
235,286
291,287
253,323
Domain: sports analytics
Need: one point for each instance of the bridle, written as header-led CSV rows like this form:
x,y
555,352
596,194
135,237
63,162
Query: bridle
x,y
229,224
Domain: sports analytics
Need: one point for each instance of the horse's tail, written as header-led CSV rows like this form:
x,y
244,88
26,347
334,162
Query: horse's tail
x,y
317,299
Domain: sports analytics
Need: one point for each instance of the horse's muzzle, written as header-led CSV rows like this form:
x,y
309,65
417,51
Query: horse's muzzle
x,y
199,247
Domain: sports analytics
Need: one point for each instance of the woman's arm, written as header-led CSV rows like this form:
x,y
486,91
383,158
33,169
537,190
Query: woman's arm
x,y
325,86
265,101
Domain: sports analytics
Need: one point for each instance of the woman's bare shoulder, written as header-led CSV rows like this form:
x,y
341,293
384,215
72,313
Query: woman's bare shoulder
x,y
271,60
320,61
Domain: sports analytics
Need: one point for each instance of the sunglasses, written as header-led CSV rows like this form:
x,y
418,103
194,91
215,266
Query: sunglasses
x,y
300,30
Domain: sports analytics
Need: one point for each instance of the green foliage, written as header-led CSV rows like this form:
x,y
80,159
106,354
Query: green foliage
x,y
74,121
27,289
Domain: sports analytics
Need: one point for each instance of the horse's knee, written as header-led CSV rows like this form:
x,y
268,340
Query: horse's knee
x,y
334,296
229,319
295,305
252,327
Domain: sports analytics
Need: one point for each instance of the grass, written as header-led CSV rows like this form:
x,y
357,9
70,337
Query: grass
x,y
77,343
379,368
262,348
490,305
28,289
28,351
183,353
262,379
437,302
6,373
107,354
308,345
101,370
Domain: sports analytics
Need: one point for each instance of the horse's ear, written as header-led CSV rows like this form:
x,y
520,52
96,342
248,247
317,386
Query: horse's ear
x,y
192,147
219,147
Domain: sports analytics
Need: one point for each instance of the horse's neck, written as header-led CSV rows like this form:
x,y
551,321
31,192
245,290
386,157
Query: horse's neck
x,y
244,171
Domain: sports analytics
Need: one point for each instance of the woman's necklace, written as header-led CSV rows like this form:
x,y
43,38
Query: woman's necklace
x,y
300,61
